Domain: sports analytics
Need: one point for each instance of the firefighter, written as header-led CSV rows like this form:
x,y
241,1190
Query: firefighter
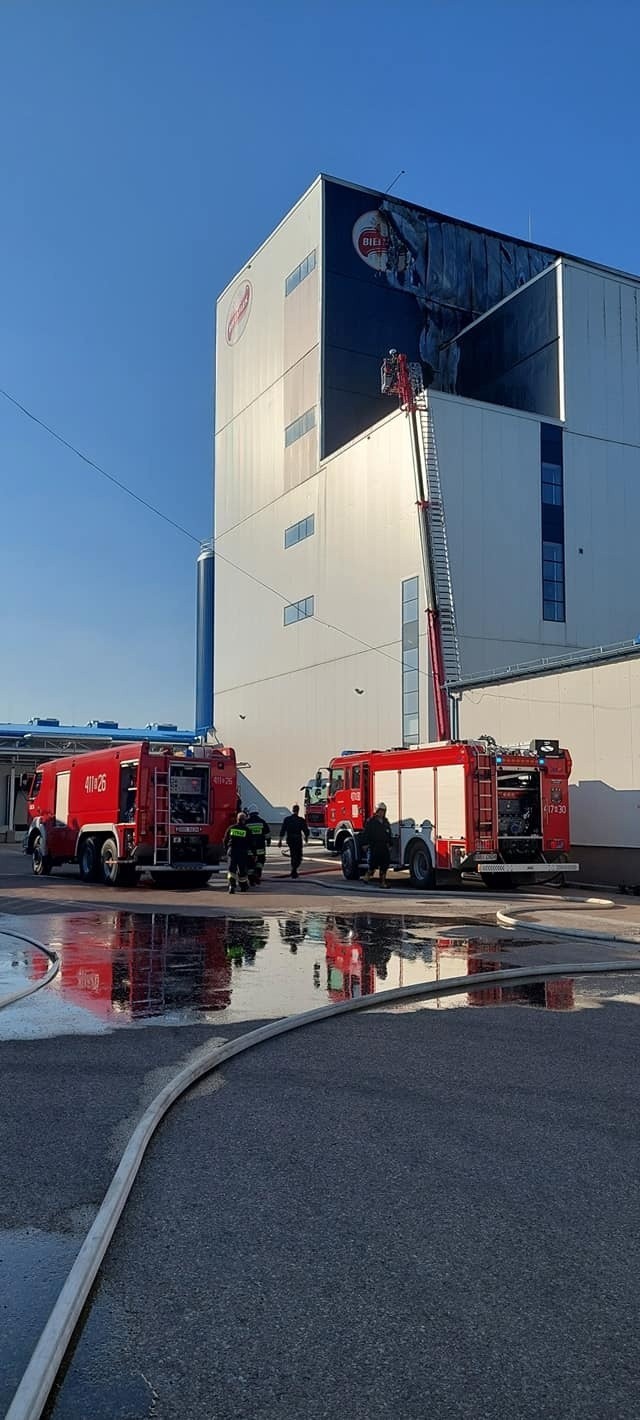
x,y
259,838
236,845
377,838
293,827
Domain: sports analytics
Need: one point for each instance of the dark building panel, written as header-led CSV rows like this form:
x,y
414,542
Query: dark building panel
x,y
403,277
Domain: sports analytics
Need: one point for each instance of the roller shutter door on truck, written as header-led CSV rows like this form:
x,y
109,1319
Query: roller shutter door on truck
x,y
62,797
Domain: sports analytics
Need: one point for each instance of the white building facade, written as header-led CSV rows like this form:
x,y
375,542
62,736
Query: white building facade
x,y
532,362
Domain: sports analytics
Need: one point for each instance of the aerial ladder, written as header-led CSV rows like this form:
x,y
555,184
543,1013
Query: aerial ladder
x,y
404,379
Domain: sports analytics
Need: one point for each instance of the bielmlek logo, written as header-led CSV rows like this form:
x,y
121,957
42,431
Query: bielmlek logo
x,y
238,312
371,239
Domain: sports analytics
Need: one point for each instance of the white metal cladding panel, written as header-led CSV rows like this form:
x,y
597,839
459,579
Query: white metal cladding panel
x,y
595,713
490,471
418,794
256,356
386,790
296,686
450,807
602,517
602,353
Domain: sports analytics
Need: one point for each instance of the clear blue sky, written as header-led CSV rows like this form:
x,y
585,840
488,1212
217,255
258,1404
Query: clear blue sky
x,y
148,146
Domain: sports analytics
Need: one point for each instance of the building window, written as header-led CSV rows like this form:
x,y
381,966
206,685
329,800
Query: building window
x,y
552,496
298,611
299,427
553,581
298,531
410,643
304,269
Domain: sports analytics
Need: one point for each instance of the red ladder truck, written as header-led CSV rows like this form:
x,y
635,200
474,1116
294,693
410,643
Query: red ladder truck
x,y
135,808
500,813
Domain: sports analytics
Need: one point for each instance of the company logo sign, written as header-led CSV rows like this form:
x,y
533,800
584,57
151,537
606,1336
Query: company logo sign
x,y
238,312
371,239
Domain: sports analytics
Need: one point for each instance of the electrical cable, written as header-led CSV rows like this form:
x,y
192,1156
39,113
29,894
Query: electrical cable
x,y
124,488
39,1377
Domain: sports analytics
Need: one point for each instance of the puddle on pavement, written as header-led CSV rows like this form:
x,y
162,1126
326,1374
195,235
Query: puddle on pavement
x,y
130,968
19,964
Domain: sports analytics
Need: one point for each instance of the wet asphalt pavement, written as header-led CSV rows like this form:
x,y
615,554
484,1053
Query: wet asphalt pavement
x,y
413,1209
402,1214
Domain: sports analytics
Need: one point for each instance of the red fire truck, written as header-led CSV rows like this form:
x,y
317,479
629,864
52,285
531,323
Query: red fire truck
x,y
463,807
131,809
316,792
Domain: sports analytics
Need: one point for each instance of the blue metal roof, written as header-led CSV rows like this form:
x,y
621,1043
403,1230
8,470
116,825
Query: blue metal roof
x,y
104,731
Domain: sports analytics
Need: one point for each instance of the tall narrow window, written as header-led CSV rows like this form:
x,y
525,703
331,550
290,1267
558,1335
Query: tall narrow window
x,y
410,671
552,496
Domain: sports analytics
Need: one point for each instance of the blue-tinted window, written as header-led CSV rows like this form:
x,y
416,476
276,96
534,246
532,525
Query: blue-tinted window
x,y
298,531
410,642
298,611
304,269
553,581
552,498
299,427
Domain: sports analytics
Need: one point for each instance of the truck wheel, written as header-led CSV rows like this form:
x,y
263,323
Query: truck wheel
x,y
40,861
110,867
89,861
350,864
421,870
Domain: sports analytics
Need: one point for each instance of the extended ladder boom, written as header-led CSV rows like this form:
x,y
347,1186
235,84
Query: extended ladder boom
x,y
405,380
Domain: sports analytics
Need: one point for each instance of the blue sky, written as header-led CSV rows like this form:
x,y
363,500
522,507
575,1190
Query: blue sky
x,y
148,146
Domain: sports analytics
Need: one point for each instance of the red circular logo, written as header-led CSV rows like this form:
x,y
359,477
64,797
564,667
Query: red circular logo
x,y
238,312
371,239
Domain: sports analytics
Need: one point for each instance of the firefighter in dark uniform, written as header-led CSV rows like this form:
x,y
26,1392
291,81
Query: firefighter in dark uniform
x,y
259,838
236,846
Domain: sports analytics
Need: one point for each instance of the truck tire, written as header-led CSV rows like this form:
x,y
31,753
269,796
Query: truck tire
x,y
41,864
89,860
421,871
350,864
110,870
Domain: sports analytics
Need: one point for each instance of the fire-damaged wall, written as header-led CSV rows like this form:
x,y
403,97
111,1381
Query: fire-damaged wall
x,y
397,276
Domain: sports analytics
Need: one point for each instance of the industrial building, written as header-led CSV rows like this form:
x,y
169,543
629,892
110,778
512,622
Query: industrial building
x,y
24,747
531,362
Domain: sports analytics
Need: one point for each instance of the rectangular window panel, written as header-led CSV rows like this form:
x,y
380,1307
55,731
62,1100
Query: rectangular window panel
x,y
299,427
410,682
552,503
298,531
304,269
298,611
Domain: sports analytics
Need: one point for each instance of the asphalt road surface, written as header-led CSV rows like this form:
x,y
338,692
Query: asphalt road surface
x,y
416,1212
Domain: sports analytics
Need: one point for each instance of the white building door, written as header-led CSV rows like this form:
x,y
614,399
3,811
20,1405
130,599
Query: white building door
x,y
62,797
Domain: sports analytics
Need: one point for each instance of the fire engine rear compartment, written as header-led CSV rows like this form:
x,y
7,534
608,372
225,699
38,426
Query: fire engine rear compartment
x,y
519,795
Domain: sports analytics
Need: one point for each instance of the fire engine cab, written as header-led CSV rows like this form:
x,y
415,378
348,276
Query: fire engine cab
x,y
460,807
135,808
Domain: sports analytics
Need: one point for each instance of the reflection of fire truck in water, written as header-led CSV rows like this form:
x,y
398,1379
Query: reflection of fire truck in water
x,y
146,965
358,965
121,811
316,793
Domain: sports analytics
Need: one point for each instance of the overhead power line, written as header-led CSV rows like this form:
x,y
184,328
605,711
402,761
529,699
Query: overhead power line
x,y
124,487
151,508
